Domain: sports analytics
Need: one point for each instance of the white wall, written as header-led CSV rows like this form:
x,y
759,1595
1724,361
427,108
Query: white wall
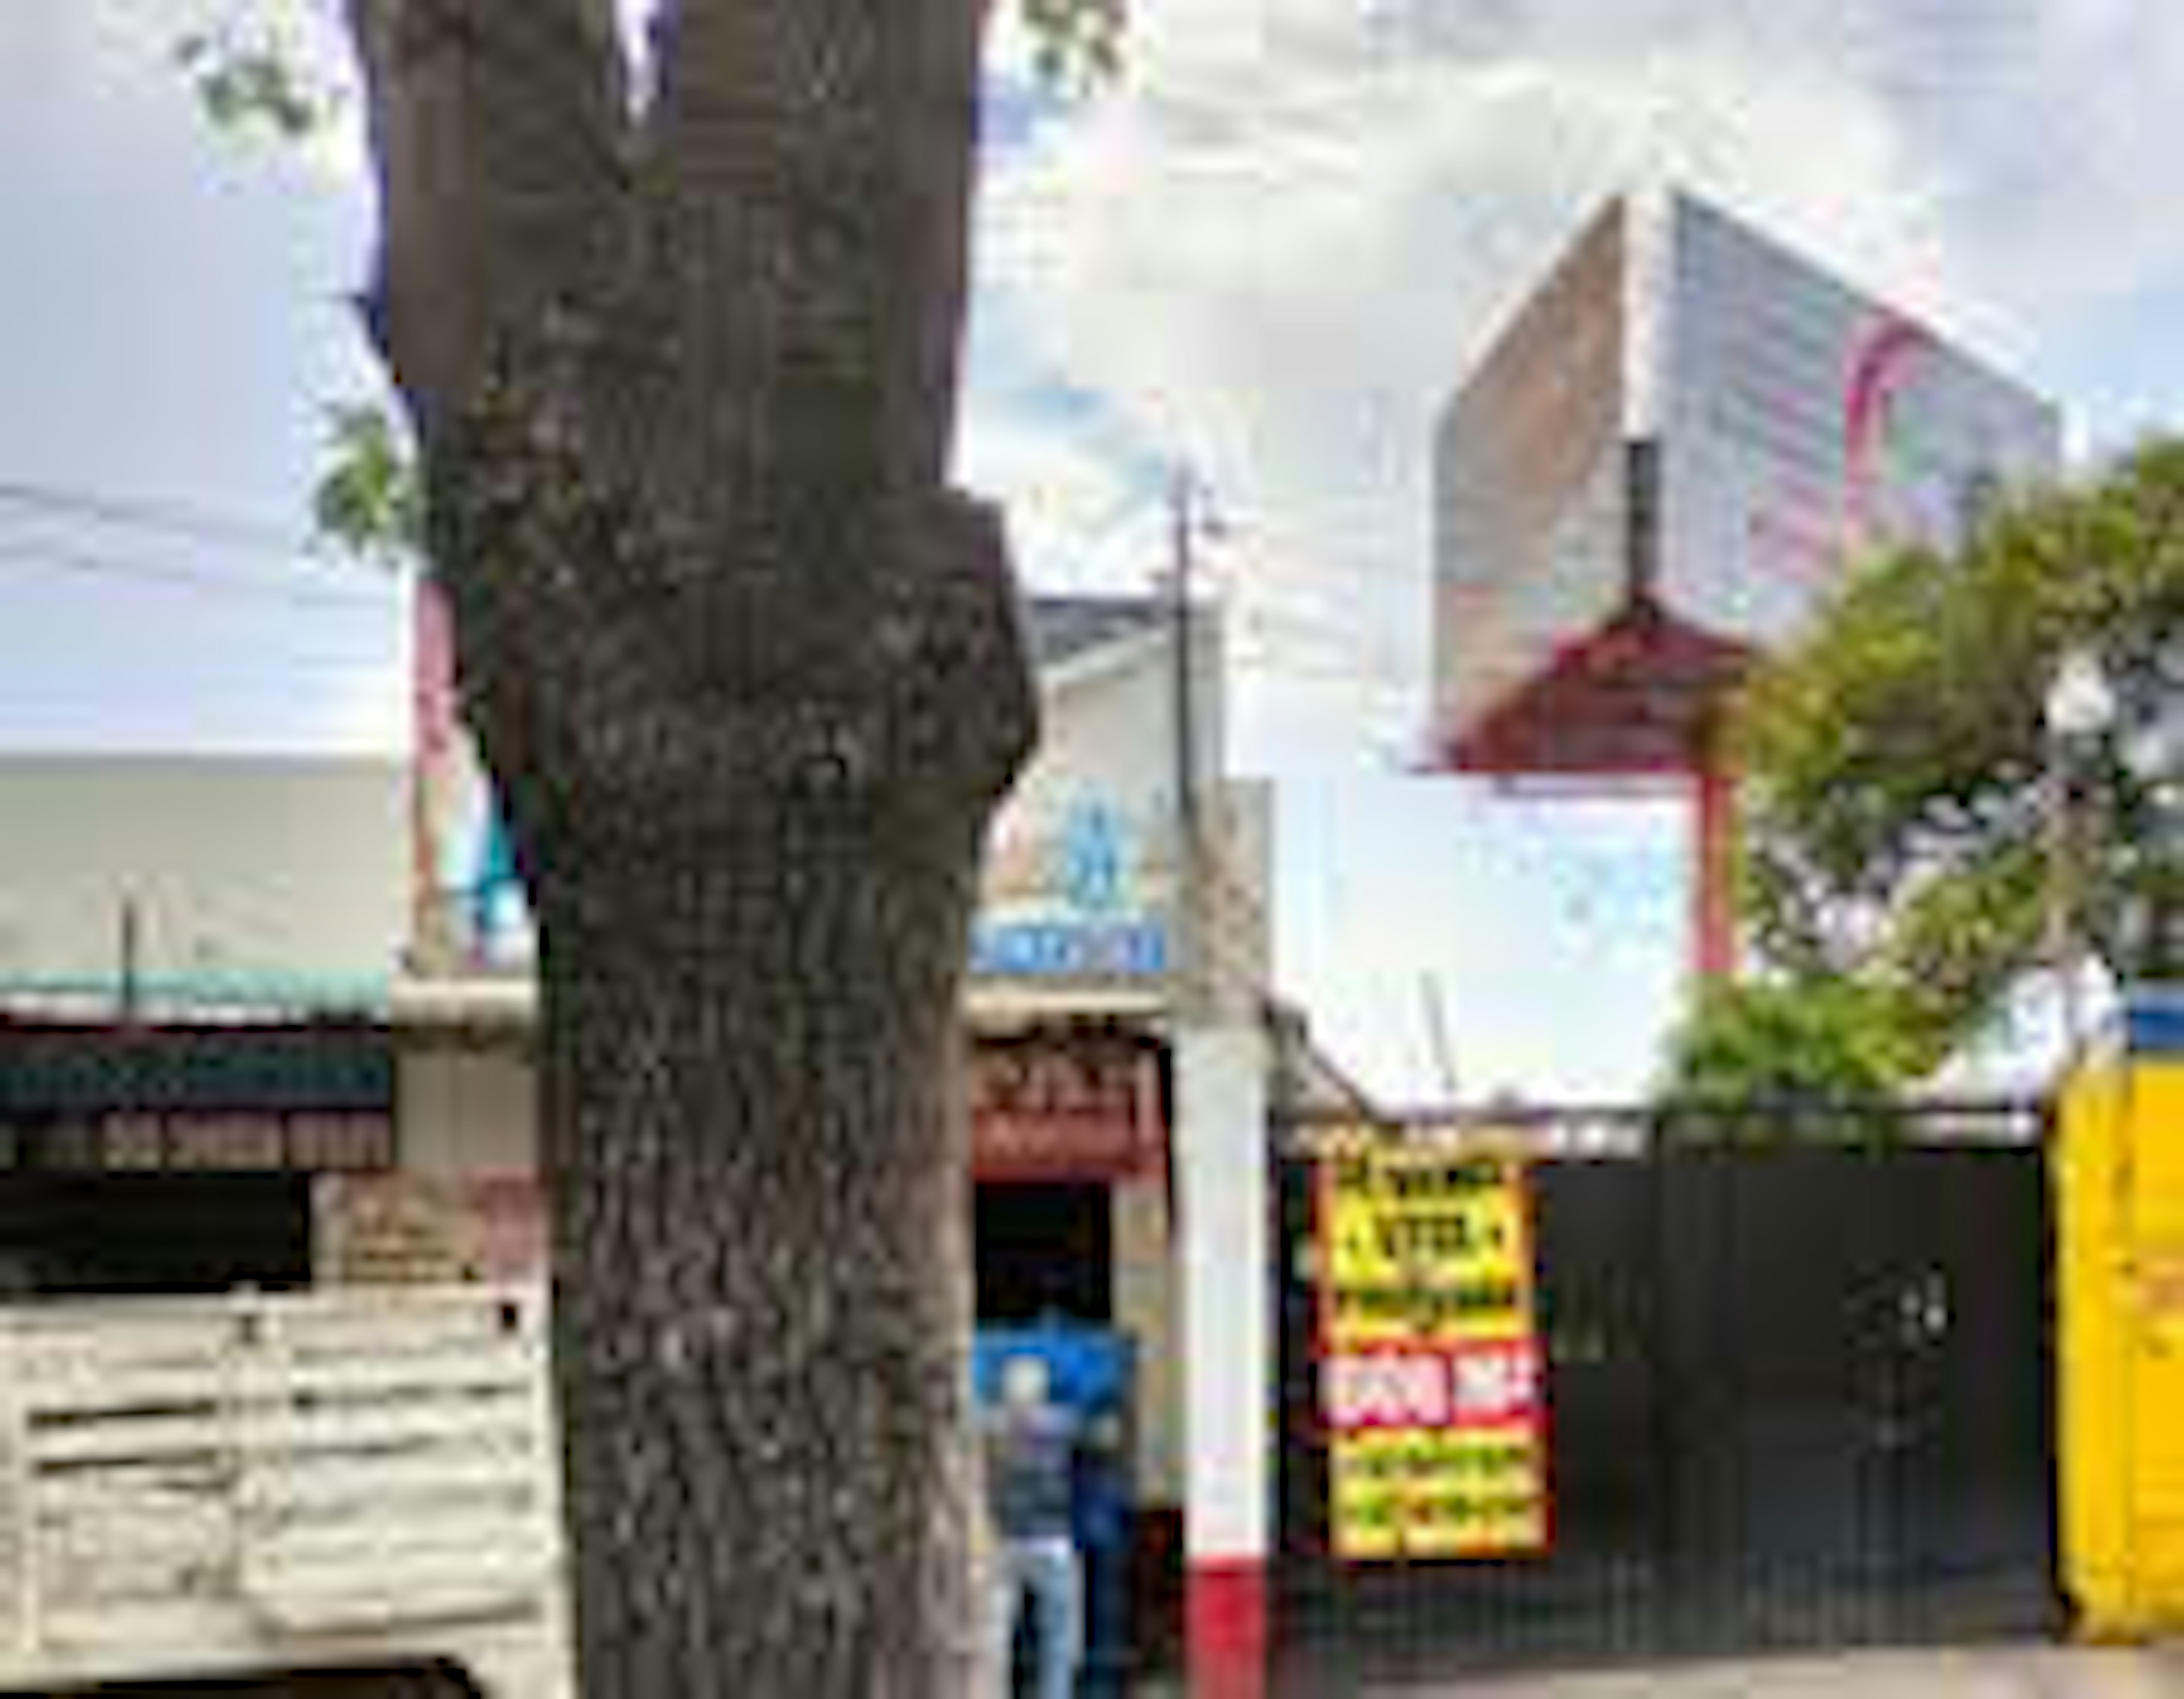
x,y
1109,736
467,1108
235,866
1110,725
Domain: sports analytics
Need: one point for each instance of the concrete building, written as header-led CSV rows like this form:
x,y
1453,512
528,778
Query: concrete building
x,y
268,923
1658,472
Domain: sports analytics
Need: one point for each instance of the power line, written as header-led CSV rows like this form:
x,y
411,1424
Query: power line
x,y
124,681
1276,625
1262,652
36,555
168,518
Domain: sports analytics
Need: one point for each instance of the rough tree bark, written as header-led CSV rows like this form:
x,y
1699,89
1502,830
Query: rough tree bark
x,y
749,679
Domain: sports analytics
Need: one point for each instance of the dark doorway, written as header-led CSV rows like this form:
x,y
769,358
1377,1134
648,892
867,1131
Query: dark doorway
x,y
120,1235
1046,1252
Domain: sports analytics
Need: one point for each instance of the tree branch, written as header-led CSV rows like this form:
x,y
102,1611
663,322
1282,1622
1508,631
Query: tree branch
x,y
497,127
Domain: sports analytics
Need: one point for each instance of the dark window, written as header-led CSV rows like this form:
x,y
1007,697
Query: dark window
x,y
1046,1252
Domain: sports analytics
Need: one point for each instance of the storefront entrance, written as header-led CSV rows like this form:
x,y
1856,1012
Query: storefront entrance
x,y
1045,1253
142,1160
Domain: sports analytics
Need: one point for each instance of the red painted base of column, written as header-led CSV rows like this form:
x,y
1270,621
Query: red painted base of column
x,y
1225,1629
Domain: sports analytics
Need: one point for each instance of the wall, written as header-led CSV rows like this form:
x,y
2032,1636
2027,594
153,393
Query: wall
x,y
241,869
1082,879
466,1205
1529,537
1110,724
467,1108
1108,739
1145,1309
1109,734
1805,424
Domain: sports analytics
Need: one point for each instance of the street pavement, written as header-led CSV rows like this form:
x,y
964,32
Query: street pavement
x,y
2017,1673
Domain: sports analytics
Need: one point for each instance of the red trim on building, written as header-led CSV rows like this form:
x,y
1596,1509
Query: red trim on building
x,y
1226,1628
1632,698
1879,369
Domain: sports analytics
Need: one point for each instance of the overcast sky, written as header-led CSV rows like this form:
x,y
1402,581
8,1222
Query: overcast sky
x,y
1271,253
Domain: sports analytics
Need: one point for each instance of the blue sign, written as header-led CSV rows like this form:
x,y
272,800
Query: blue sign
x,y
1072,895
1070,950
1091,858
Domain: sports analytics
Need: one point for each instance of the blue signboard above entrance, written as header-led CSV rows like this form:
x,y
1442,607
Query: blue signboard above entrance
x,y
1076,893
1060,949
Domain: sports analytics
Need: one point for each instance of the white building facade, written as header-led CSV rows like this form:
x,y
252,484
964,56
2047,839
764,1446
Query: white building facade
x,y
338,985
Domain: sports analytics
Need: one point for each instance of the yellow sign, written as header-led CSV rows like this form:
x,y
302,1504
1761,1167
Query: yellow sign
x,y
1431,1388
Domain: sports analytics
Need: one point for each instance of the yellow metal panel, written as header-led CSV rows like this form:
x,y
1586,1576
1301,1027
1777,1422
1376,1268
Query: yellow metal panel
x,y
2089,1351
2120,1174
2152,1301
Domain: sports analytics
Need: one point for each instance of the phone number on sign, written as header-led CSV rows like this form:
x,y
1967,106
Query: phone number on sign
x,y
1484,1386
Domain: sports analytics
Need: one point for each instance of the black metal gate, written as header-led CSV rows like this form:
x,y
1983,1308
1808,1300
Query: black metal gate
x,y
1798,1392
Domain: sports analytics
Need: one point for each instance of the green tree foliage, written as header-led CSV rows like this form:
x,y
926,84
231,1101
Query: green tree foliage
x,y
1076,42
1901,792
1775,1041
369,499
252,68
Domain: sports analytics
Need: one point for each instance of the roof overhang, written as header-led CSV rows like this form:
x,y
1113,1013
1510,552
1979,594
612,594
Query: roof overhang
x,y
1634,697
508,1004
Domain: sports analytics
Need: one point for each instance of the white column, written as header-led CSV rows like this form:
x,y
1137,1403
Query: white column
x,y
1223,1204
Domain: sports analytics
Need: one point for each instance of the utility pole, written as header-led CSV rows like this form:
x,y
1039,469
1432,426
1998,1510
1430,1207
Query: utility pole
x,y
1182,541
1194,923
131,952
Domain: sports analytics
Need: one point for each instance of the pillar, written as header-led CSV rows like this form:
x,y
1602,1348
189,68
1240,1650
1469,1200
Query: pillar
x,y
1224,1241
1714,883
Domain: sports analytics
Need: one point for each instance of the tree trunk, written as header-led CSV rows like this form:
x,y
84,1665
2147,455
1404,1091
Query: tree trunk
x,y
749,680
761,1278
752,901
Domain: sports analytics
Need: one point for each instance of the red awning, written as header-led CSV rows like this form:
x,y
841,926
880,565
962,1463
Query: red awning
x,y
1633,698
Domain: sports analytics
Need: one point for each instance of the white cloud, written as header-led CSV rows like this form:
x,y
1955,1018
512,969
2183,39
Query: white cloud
x,y
2070,205
1276,247
1076,517
1552,934
1271,249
